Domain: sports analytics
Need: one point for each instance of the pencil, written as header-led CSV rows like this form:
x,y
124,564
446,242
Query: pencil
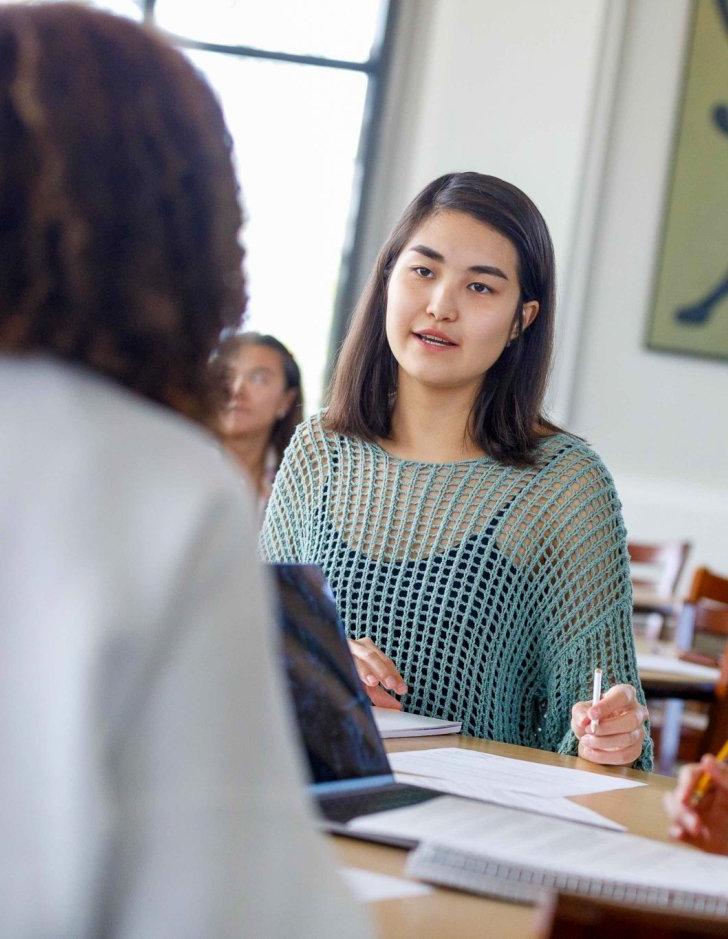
x,y
703,783
596,697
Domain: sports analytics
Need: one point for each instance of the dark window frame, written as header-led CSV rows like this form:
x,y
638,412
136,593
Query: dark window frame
x,y
376,68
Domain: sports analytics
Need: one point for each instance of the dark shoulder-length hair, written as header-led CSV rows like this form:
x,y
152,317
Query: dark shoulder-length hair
x,y
506,420
118,202
283,429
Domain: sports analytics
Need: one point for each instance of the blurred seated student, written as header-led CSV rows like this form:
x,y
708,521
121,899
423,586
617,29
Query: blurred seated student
x,y
476,551
704,825
149,786
258,403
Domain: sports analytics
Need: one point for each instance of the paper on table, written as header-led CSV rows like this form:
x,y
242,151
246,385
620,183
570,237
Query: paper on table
x,y
449,820
555,845
467,772
391,723
674,666
370,887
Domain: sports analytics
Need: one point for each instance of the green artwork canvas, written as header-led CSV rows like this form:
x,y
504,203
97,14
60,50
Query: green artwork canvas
x,y
690,307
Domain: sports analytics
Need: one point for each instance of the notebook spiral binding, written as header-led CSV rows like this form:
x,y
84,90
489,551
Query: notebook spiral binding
x,y
478,874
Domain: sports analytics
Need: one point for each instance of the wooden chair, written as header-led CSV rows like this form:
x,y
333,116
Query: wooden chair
x,y
706,585
702,637
665,563
567,916
667,559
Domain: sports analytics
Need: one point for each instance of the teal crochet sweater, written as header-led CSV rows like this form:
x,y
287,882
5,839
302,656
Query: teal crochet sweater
x,y
496,591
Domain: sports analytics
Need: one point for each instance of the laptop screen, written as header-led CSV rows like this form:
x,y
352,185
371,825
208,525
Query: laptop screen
x,y
332,709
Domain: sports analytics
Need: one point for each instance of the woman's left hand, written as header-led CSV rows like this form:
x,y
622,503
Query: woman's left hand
x,y
619,734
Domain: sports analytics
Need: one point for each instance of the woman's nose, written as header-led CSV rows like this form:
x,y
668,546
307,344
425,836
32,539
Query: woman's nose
x,y
442,305
237,386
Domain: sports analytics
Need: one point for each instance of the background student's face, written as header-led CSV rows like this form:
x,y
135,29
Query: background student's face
x,y
256,395
456,277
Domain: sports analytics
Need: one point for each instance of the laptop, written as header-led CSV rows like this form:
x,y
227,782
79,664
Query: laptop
x,y
348,765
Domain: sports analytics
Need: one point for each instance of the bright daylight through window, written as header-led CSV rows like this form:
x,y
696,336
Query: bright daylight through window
x,y
297,127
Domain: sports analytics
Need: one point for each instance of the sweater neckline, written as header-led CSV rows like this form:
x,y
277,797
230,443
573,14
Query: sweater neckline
x,y
473,461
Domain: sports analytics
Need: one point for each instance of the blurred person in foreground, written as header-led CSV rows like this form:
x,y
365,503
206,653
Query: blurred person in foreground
x,y
148,784
257,404
705,824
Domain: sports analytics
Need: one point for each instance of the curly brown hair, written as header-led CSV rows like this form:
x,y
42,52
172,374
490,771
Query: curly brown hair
x,y
119,212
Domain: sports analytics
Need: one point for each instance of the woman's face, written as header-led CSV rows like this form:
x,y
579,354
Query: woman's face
x,y
452,301
255,391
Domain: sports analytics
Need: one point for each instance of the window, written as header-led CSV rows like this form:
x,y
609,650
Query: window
x,y
296,82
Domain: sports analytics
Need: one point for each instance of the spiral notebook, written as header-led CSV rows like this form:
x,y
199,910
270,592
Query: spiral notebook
x,y
502,852
527,883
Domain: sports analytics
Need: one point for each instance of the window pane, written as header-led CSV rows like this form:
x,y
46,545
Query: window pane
x,y
330,28
133,9
296,152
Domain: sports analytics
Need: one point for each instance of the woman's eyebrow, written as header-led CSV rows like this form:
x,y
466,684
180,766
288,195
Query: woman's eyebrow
x,y
475,268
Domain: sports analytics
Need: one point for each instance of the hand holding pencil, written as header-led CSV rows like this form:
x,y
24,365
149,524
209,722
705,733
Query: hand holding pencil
x,y
698,806
610,728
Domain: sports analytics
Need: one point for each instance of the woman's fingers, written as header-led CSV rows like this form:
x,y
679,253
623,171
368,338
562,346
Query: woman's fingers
x,y
618,700
718,772
612,731
618,757
382,699
613,742
374,667
579,719
621,723
686,781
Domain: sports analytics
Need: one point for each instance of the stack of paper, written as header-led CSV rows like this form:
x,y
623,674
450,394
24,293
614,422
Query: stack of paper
x,y
518,784
391,723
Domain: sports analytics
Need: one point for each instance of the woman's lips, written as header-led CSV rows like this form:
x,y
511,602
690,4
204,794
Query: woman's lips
x,y
434,341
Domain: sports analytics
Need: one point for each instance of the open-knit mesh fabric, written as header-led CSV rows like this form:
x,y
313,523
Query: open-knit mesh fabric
x,y
495,590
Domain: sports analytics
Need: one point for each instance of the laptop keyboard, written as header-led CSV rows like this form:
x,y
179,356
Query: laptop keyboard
x,y
345,806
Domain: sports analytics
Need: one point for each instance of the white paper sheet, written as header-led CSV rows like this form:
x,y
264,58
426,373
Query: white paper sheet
x,y
468,772
370,887
391,723
674,666
555,845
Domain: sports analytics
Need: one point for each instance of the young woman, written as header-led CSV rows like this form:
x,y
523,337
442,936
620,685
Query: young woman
x,y
477,552
135,627
258,403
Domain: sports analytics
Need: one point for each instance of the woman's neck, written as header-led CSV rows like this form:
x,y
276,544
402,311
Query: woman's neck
x,y
250,453
431,425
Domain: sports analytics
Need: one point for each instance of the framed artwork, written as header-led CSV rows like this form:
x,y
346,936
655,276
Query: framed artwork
x,y
690,301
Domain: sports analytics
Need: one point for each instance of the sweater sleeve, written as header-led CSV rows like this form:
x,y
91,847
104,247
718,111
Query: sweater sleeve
x,y
285,534
586,597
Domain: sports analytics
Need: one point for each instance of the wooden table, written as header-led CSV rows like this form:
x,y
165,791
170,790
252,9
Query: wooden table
x,y
447,913
647,601
658,683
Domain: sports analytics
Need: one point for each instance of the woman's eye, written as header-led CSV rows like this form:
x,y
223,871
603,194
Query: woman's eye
x,y
422,271
479,288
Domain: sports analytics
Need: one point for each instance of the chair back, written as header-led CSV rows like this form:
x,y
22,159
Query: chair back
x,y
707,620
708,586
667,561
702,630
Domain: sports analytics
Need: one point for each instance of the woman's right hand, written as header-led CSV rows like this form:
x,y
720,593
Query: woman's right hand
x,y
377,673
704,825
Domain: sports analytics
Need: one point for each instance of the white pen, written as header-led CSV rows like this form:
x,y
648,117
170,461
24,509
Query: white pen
x,y
596,697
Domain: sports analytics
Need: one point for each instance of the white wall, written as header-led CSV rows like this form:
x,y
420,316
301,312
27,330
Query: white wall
x,y
575,101
659,420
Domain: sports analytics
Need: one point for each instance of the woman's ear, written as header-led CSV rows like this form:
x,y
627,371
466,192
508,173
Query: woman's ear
x,y
527,314
288,398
